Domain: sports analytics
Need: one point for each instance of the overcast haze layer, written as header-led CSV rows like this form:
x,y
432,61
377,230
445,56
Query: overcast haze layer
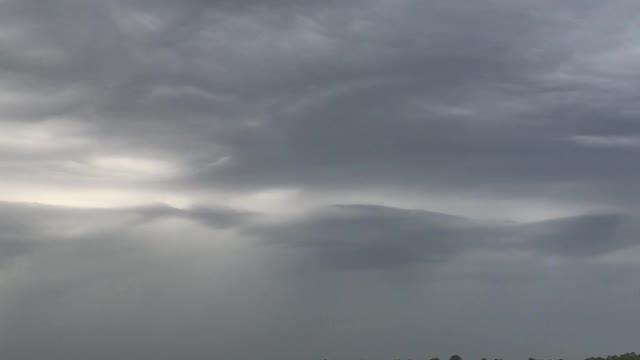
x,y
286,179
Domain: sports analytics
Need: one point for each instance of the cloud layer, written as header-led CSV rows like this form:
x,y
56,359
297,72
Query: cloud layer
x,y
345,179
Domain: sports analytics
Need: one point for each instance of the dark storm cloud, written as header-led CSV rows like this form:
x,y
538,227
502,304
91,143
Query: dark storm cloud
x,y
362,236
588,235
407,101
381,94
365,236
341,236
516,99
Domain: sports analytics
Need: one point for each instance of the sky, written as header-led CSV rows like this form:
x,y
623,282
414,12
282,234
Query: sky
x,y
289,179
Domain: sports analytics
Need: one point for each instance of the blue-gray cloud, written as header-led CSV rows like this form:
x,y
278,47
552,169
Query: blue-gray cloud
x,y
361,236
445,103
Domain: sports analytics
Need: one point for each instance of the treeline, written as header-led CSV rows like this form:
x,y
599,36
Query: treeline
x,y
627,356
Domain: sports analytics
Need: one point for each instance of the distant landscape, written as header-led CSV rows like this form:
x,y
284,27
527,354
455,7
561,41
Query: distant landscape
x,y
626,356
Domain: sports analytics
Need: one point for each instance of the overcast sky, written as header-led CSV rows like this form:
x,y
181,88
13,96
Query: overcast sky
x,y
339,179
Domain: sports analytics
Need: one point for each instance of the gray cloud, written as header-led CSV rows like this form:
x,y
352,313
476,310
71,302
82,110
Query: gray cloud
x,y
588,235
362,236
100,287
210,216
322,97
11,248
28,228
253,118
18,218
